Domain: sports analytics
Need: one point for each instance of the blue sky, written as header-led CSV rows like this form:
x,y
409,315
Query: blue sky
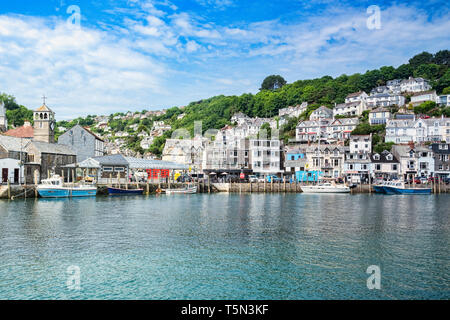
x,y
151,54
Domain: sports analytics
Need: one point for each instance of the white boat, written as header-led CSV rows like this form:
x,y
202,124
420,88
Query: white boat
x,y
54,188
326,188
188,190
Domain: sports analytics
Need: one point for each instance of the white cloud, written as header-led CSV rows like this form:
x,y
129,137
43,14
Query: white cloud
x,y
155,53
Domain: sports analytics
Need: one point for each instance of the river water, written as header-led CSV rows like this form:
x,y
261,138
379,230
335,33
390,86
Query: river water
x,y
225,246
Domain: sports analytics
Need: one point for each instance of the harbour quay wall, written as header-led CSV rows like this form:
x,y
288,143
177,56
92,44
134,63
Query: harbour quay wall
x,y
280,187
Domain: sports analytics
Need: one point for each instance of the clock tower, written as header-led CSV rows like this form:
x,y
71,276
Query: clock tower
x,y
44,124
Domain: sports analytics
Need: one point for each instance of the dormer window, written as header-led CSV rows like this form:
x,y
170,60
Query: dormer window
x,y
389,157
376,157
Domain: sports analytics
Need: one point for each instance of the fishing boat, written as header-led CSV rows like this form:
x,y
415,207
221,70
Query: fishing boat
x,y
54,187
326,188
188,190
123,192
400,188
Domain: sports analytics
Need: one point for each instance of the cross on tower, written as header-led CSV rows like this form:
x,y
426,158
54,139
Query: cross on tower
x,y
44,98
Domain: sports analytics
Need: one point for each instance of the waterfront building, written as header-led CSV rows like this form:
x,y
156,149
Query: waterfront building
x,y
379,116
414,85
84,142
414,161
295,162
327,160
441,159
321,113
3,119
11,170
357,167
49,158
227,156
12,158
185,151
384,166
422,97
265,156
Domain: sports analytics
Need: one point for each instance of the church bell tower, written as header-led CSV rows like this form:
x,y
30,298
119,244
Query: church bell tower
x,y
44,124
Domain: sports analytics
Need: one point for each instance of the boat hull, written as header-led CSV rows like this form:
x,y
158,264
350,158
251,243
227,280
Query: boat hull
x,y
320,189
182,191
396,190
84,192
117,191
67,192
53,193
379,189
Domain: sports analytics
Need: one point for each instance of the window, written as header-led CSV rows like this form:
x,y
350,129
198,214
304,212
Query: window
x,y
378,167
107,169
119,169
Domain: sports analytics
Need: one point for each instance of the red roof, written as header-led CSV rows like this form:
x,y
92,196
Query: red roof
x,y
21,132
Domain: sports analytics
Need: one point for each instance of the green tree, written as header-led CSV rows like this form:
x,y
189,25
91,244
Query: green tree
x,y
273,82
421,58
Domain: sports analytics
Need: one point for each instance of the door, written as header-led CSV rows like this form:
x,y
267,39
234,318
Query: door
x,y
16,175
5,175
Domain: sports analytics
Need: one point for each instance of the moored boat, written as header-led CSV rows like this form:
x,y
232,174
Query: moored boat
x,y
188,190
54,188
120,191
326,188
400,188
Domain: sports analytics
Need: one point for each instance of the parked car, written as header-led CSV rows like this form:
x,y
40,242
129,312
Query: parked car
x,y
252,178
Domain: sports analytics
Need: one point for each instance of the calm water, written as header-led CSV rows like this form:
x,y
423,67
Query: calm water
x,y
226,247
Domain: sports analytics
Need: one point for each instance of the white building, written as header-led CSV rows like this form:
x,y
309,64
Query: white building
x,y
293,111
420,130
265,156
321,113
146,142
350,108
12,171
385,100
360,144
443,100
356,97
422,97
414,161
379,116
414,85
185,151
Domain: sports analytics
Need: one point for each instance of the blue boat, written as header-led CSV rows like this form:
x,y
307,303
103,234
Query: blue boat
x,y
399,188
120,191
54,188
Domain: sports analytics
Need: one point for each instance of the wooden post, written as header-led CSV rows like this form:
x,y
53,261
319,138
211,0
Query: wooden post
x,y
9,189
110,179
251,189
118,179
159,179
209,184
35,184
148,187
264,184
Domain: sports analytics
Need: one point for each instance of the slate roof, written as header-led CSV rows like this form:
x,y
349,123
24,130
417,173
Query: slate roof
x,y
383,157
13,143
53,148
112,160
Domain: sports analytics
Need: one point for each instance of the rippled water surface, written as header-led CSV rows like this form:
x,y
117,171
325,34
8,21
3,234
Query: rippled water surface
x,y
226,247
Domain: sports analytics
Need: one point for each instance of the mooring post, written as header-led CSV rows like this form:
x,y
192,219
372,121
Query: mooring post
x,y
9,189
